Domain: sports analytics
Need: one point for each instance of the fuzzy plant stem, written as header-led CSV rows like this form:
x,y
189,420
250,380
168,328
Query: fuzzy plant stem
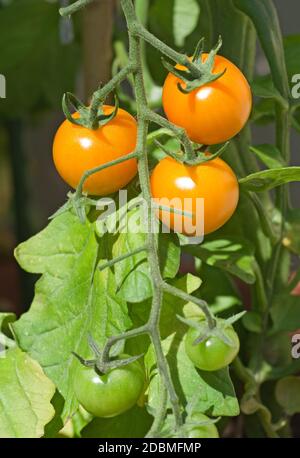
x,y
137,33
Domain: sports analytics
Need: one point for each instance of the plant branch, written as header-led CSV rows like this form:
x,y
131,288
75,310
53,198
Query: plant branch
x,y
77,6
264,219
189,298
179,132
122,257
104,91
182,59
114,339
90,172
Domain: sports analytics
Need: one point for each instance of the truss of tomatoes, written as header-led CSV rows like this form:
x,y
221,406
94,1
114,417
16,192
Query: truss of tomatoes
x,y
211,114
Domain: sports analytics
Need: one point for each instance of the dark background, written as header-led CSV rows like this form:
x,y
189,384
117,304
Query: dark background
x,y
30,189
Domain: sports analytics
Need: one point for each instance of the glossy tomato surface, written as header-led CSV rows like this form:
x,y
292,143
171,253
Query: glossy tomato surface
x,y
215,112
77,149
212,354
183,187
110,394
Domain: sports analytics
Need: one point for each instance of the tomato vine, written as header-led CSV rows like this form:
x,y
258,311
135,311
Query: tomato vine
x,y
144,116
122,297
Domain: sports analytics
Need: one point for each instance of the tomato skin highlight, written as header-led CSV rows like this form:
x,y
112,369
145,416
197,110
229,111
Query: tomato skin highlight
x,y
214,181
77,149
212,354
208,431
110,394
213,113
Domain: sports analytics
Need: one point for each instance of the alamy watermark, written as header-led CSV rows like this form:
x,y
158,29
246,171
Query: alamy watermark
x,y
2,87
296,87
296,346
179,215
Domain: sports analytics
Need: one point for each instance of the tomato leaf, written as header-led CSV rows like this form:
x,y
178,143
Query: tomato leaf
x,y
269,155
72,299
263,14
287,393
263,87
132,274
25,395
229,253
30,43
264,111
173,306
269,179
185,18
285,313
292,54
252,321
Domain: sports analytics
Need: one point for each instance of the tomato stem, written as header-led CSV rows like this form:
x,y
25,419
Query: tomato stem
x,y
77,6
100,95
136,33
123,257
178,131
90,172
189,298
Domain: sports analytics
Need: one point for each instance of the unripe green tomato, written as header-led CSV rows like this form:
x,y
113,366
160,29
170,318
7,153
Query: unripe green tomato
x,y
112,393
208,431
212,354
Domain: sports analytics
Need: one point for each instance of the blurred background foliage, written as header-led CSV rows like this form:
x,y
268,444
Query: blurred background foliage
x,y
43,55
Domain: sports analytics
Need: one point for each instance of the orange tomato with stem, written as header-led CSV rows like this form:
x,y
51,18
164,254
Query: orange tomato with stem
x,y
77,149
184,188
216,111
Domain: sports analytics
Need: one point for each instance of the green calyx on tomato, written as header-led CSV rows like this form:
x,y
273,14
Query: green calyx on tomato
x,y
212,113
91,117
200,426
110,394
200,73
77,149
211,350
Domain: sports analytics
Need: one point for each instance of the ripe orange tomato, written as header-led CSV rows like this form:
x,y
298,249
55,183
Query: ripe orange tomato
x,y
180,186
215,112
77,149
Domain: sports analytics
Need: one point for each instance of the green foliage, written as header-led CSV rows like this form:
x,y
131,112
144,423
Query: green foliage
x,y
25,395
185,18
231,254
288,394
269,179
31,54
269,155
72,299
240,266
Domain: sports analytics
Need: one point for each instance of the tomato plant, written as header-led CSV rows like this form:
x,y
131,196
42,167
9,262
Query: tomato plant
x,y
112,282
185,183
77,149
213,113
212,354
109,394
